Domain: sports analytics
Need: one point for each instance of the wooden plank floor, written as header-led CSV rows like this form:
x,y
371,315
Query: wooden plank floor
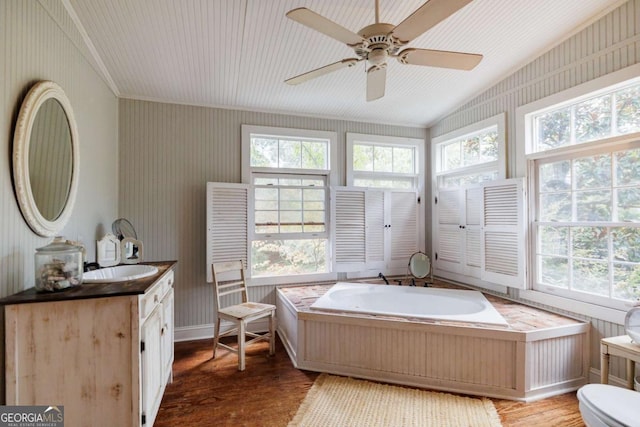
x,y
209,391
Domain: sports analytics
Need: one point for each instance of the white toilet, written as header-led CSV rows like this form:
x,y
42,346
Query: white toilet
x,y
603,405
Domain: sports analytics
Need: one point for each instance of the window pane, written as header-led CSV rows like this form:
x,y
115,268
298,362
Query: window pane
x,y
307,182
554,271
628,167
269,194
313,194
289,154
263,218
290,194
452,181
628,110
555,206
314,206
264,152
489,146
382,159
629,204
593,172
591,277
314,155
452,156
627,281
553,240
626,244
593,119
291,205
553,129
403,160
555,176
288,257
265,181
314,221
471,151
262,205
593,205
290,181
383,183
362,157
590,242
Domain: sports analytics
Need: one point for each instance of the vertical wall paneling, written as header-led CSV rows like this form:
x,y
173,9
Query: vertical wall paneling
x,y
168,153
607,45
39,42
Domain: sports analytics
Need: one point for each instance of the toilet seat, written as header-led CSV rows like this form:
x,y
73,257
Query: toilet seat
x,y
614,406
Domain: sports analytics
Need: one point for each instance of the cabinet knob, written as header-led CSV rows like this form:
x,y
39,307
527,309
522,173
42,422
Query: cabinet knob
x,y
156,298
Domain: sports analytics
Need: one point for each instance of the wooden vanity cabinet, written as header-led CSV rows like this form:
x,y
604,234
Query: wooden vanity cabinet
x,y
106,359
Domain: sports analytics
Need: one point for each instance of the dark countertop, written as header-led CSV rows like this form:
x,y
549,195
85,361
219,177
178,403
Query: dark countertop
x,y
93,290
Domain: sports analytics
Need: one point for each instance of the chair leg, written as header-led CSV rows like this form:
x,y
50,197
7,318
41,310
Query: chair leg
x,y
241,345
216,338
272,334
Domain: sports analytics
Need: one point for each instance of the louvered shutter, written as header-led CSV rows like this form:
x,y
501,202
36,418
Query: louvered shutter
x,y
350,229
404,231
374,216
473,231
447,236
227,225
503,237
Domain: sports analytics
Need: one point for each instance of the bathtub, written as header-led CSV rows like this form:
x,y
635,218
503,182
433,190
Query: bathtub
x,y
411,302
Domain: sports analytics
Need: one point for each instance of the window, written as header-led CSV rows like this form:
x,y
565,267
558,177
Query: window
x,y
290,172
582,153
478,231
380,216
471,155
377,161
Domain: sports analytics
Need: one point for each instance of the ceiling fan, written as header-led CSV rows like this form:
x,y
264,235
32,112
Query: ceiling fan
x,y
378,42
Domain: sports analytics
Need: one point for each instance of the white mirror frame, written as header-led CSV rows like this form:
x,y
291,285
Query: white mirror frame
x,y
38,94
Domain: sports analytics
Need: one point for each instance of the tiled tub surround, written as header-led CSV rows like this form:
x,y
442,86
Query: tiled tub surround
x,y
539,354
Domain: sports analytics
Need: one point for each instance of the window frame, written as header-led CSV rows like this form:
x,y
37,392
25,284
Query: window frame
x,y
387,141
526,164
329,175
499,165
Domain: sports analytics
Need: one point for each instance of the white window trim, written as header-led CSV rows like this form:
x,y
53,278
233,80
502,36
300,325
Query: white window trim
x,y
575,94
524,167
498,120
416,143
247,130
331,175
420,164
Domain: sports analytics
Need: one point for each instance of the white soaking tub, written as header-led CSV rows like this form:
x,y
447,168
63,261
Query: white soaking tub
x,y
411,302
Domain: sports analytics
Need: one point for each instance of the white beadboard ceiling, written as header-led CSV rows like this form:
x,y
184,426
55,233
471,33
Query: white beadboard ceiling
x,y
237,53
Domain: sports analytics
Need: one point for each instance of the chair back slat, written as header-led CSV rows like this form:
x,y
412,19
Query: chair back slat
x,y
223,284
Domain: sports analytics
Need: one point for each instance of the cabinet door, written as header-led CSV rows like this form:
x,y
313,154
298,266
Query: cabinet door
x,y
151,364
167,335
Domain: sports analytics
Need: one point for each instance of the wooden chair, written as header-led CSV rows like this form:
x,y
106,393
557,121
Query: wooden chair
x,y
228,278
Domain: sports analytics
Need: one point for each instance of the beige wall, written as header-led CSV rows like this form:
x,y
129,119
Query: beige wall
x,y
608,45
168,153
39,42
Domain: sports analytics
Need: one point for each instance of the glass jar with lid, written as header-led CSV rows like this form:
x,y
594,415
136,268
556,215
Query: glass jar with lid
x,y
58,266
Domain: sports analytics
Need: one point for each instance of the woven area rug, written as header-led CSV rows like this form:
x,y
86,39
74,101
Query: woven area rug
x,y
340,401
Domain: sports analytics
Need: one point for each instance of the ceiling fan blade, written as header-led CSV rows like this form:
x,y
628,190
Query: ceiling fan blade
x,y
376,82
440,58
349,62
425,17
319,23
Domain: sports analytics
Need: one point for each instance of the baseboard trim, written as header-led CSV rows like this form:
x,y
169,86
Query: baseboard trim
x,y
594,378
203,332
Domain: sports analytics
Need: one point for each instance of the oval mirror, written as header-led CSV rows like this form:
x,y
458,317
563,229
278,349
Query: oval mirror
x,y
46,158
419,265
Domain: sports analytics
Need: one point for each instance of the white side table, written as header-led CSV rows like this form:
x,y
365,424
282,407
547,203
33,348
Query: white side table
x,y
623,347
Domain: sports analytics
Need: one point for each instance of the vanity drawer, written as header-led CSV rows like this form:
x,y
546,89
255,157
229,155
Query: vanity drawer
x,y
154,295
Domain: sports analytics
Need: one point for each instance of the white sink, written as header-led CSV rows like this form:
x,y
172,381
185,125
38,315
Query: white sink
x,y
119,273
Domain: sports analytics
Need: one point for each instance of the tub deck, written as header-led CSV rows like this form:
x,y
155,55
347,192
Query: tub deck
x,y
539,354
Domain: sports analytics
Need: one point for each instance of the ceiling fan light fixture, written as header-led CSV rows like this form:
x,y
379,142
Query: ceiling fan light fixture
x,y
377,42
